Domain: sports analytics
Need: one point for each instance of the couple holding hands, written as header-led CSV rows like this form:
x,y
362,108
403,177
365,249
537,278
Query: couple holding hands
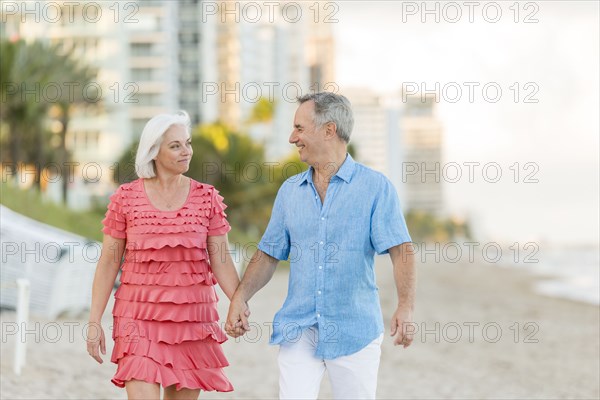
x,y
168,235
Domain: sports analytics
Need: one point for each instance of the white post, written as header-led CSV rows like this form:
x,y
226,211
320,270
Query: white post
x,y
22,318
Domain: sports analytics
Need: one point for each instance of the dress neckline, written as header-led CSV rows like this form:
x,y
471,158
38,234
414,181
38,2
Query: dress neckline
x,y
158,209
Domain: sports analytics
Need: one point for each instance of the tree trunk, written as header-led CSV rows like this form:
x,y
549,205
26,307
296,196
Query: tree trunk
x,y
38,156
15,147
65,176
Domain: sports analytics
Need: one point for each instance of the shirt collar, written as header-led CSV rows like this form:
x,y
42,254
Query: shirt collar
x,y
345,172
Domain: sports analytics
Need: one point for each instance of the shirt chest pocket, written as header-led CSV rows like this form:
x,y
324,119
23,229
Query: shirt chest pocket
x,y
353,233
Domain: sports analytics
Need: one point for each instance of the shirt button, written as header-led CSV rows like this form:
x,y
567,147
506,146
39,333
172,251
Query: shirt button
x,y
322,218
319,292
320,242
318,315
320,267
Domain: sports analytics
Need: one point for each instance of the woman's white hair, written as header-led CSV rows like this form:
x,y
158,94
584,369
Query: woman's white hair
x,y
151,139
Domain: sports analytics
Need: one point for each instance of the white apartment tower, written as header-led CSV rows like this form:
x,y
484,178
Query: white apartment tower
x,y
134,47
421,135
370,134
400,137
276,60
156,56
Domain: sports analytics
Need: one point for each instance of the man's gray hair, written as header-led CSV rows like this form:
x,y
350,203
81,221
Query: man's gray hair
x,y
331,107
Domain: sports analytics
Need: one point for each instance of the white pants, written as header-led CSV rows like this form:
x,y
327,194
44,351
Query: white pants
x,y
351,377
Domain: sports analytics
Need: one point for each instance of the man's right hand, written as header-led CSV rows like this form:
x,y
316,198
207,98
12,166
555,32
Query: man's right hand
x,y
237,318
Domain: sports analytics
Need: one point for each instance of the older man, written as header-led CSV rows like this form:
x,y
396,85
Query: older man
x,y
330,221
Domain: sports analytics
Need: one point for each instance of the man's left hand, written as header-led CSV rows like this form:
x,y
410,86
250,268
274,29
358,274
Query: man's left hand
x,y
402,326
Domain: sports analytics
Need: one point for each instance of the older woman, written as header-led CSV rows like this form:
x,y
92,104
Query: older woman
x,y
173,233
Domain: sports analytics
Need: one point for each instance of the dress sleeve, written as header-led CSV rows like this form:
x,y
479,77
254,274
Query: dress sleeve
x,y
217,222
115,223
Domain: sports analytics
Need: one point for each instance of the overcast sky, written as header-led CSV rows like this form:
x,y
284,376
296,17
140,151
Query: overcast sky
x,y
560,134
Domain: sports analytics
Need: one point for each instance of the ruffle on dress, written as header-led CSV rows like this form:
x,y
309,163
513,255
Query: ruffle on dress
x,y
169,332
146,369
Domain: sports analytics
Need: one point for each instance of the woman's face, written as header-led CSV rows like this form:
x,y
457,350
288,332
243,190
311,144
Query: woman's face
x,y
175,152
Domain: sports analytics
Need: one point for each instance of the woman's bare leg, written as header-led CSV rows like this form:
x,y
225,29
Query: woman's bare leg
x,y
184,394
140,390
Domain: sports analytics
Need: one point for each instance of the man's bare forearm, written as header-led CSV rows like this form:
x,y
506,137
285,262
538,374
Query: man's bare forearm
x,y
404,273
259,272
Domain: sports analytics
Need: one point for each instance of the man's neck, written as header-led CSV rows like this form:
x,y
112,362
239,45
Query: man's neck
x,y
324,170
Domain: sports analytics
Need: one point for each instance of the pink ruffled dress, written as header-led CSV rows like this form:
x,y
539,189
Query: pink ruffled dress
x,y
166,326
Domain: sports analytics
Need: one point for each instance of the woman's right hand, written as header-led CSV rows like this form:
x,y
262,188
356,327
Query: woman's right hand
x,y
96,342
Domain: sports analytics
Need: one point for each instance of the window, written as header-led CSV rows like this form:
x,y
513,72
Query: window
x,y
148,99
141,74
141,49
83,140
188,37
137,126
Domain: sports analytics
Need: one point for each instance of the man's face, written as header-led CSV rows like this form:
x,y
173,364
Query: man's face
x,y
306,137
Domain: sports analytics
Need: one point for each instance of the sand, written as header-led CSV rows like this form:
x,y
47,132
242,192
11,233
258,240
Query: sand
x,y
494,338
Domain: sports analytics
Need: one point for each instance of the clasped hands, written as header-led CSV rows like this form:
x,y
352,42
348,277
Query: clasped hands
x,y
237,318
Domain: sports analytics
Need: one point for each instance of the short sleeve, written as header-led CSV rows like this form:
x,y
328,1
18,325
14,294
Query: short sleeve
x,y
115,223
217,222
276,240
388,227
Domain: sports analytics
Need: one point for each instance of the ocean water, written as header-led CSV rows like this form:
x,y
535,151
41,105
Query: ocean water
x,y
571,273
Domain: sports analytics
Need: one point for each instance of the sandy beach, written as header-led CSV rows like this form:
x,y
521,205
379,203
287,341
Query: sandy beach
x,y
482,334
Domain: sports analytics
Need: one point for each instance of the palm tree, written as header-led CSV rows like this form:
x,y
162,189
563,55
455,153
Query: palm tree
x,y
65,105
26,71
22,111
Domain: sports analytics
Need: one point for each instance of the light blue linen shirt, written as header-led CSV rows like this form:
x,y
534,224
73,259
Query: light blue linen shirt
x,y
331,248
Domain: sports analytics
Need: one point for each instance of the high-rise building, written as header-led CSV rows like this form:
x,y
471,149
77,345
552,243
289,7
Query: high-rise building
x,y
190,37
134,47
228,71
320,51
370,134
154,61
402,138
161,55
421,143
275,60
